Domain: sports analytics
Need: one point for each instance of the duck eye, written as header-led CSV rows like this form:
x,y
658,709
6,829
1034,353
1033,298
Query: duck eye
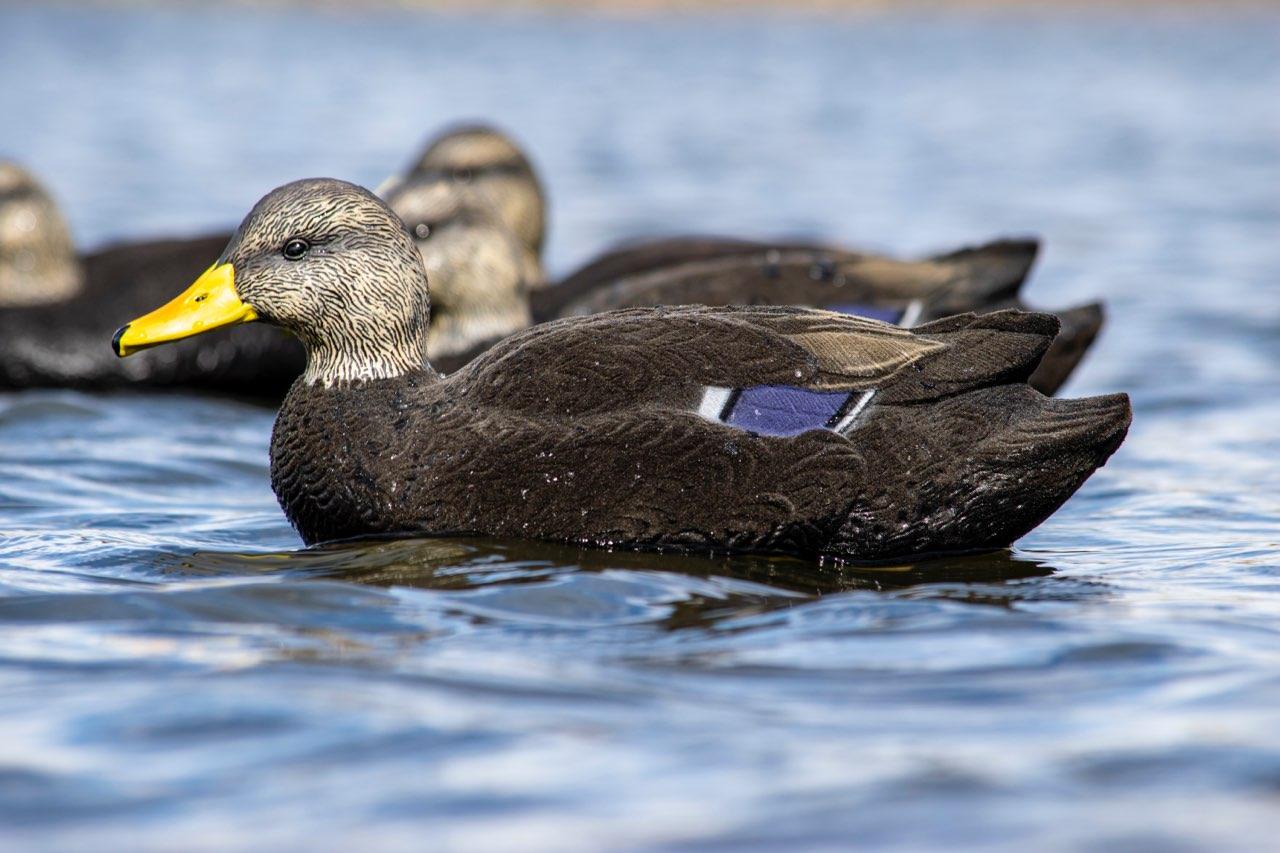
x,y
422,230
295,249
462,175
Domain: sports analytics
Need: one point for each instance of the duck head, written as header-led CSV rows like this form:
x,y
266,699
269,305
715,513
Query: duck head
x,y
38,261
479,271
325,260
484,161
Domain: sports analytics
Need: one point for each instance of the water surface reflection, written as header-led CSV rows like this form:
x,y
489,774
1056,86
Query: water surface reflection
x,y
172,666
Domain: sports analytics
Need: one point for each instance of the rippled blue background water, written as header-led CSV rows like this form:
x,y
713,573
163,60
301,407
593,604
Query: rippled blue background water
x,y
176,673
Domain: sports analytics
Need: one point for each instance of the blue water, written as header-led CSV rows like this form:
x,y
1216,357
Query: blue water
x,y
175,673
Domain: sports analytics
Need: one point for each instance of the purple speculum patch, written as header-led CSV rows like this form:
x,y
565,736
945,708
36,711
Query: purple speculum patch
x,y
784,410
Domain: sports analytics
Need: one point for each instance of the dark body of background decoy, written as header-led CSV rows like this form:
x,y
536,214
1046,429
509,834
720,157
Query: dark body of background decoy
x,y
59,344
1114,680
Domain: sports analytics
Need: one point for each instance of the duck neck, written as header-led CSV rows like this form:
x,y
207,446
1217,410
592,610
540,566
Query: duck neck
x,y
369,346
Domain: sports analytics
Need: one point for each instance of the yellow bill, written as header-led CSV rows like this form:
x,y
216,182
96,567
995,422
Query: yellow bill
x,y
210,303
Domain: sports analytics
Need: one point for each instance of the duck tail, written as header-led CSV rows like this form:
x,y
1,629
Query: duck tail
x,y
1050,427
1080,328
992,271
999,461
1042,455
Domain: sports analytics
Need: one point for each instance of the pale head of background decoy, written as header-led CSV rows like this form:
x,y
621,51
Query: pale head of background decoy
x,y
324,259
486,161
479,272
38,262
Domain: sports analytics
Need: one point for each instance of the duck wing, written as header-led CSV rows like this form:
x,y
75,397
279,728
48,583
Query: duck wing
x,y
689,357
726,271
720,271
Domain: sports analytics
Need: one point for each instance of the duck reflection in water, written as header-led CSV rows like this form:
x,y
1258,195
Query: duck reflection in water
x,y
721,586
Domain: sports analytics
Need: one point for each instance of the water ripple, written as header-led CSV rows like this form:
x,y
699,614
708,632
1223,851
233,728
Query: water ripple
x,y
174,665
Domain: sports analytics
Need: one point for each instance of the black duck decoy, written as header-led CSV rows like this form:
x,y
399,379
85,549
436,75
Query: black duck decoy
x,y
762,429
982,278
704,270
485,283
56,305
56,308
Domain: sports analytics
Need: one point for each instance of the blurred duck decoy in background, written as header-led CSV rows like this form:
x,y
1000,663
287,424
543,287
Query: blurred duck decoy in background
x,y
476,208
55,306
484,165
482,275
38,262
767,429
481,162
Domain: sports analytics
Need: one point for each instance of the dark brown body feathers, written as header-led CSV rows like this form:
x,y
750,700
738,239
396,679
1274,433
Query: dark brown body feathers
x,y
588,431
